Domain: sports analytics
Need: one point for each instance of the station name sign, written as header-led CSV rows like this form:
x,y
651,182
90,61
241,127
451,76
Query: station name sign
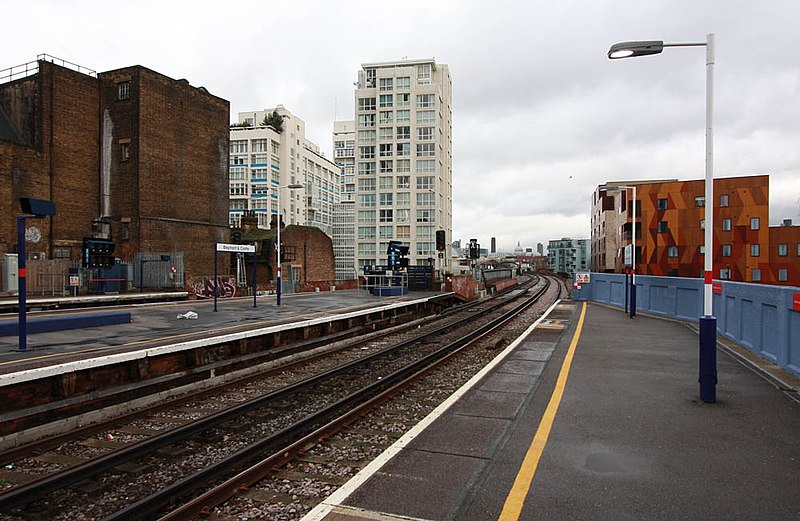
x,y
236,248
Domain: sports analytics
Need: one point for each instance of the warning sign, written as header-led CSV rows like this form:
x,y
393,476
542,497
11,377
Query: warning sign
x,y
582,278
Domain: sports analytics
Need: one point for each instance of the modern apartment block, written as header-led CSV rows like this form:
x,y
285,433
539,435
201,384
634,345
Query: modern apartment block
x,y
568,255
670,230
344,240
403,157
344,155
265,159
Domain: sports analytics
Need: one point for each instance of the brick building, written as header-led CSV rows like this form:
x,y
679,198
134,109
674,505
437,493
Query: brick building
x,y
129,154
306,252
670,230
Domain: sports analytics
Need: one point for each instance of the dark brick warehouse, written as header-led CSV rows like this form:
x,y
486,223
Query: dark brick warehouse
x,y
128,154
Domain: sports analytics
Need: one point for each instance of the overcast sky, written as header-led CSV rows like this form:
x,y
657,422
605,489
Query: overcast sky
x,y
540,115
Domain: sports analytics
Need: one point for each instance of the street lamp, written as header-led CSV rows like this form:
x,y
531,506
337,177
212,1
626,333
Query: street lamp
x,y
633,243
708,323
277,190
34,209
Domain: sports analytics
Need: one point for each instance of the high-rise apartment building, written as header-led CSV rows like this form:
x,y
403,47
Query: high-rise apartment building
x,y
344,213
265,157
403,158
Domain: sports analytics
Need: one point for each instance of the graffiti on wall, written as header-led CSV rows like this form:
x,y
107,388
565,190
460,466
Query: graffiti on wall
x,y
204,287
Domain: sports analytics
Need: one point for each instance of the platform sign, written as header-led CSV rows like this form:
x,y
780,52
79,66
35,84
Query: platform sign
x,y
236,248
628,255
74,280
796,302
716,288
582,278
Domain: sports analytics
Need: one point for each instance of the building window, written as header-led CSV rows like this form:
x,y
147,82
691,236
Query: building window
x,y
723,200
124,90
726,250
367,249
366,120
366,152
238,147
386,117
387,167
403,199
662,227
366,201
366,216
726,225
386,183
403,133
756,275
404,116
404,232
386,101
425,182
403,83
672,251
783,250
702,249
783,275
702,224
755,223
385,216
404,150
366,232
425,199
700,201
386,199
426,149
386,133
386,149
663,203
403,181
424,74
755,250
366,185
426,117
425,216
426,165
402,100
366,103
425,133
402,216
425,101
386,232
366,169
725,274
125,150
386,84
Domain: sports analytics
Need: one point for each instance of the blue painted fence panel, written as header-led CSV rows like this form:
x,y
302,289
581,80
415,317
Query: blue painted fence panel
x,y
757,316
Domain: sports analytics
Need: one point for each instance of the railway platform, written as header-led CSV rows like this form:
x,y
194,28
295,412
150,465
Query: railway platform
x,y
593,415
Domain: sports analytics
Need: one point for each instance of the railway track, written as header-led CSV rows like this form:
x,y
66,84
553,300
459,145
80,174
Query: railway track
x,y
179,450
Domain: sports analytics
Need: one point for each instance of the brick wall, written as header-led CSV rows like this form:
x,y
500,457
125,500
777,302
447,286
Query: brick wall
x,y
312,249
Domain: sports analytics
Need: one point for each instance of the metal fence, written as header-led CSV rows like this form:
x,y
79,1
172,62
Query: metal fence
x,y
64,277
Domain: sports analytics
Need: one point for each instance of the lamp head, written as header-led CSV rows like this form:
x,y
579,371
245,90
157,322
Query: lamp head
x,y
634,49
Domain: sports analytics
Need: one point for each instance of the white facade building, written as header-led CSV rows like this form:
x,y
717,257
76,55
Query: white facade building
x,y
263,159
344,214
403,159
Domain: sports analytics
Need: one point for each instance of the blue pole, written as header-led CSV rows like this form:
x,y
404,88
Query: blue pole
x,y
626,291
633,292
22,285
215,279
254,280
708,359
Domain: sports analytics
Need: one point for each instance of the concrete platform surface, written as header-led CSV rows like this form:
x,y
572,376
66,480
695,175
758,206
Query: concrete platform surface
x,y
629,438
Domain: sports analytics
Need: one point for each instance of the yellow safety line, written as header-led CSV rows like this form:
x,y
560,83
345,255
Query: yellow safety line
x,y
522,484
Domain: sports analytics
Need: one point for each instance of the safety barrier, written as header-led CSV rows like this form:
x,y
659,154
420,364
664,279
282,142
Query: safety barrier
x,y
763,318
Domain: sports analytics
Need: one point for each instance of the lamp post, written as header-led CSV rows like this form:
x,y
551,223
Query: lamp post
x,y
34,209
708,323
633,243
277,190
